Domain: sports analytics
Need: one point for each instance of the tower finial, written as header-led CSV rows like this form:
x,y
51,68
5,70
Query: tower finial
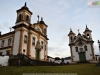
x,y
78,31
41,18
70,29
38,18
86,25
25,4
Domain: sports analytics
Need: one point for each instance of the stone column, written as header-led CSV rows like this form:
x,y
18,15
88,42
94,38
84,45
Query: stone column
x,y
29,44
20,42
92,51
12,45
71,53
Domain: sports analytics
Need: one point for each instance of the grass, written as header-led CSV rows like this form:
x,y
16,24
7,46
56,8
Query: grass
x,y
80,69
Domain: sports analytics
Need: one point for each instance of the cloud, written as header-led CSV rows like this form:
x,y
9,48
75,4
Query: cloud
x,y
77,11
61,49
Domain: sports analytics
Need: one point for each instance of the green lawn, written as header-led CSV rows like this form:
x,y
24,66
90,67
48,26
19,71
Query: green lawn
x,y
80,69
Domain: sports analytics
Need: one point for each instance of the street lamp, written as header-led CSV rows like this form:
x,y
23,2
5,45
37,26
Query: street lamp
x,y
99,44
99,53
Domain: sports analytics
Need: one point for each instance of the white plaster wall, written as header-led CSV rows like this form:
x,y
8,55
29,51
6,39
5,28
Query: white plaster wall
x,y
33,51
75,54
88,52
16,43
4,60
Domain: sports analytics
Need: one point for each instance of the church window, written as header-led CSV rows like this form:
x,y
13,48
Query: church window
x,y
80,43
0,53
45,47
20,17
42,44
33,41
23,51
2,44
44,30
85,47
71,38
27,18
25,39
76,49
9,41
88,36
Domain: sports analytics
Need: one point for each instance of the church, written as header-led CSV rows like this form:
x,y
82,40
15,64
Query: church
x,y
81,46
28,39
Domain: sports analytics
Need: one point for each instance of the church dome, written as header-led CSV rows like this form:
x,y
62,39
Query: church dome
x,y
71,32
87,29
25,8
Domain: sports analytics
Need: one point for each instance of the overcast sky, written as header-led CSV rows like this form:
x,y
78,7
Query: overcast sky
x,y
59,15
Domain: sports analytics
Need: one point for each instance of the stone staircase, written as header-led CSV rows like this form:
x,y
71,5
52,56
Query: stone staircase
x,y
26,61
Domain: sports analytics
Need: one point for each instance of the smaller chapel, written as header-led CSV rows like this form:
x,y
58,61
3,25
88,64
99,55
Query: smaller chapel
x,y
27,38
81,46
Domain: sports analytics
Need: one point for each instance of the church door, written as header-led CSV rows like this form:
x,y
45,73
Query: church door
x,y
82,57
37,54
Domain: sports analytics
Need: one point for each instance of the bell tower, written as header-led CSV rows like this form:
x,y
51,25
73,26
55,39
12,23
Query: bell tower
x,y
71,35
87,32
23,16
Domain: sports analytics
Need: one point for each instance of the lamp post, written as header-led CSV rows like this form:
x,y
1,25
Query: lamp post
x,y
99,44
99,53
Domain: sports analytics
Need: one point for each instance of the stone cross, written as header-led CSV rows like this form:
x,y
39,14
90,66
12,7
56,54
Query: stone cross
x,y
10,29
78,30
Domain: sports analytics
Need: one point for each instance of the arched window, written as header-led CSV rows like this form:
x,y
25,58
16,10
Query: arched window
x,y
25,38
45,30
9,41
71,38
76,49
88,35
33,41
20,17
27,18
85,47
42,44
2,44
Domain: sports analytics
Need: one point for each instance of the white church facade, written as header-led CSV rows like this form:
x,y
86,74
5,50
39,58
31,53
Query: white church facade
x,y
28,39
81,46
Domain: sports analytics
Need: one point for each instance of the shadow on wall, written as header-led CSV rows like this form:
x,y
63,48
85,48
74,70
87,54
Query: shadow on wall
x,y
4,60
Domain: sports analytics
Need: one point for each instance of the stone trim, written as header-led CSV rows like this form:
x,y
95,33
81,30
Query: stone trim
x,y
45,52
24,9
92,52
29,44
30,28
7,34
12,46
5,47
71,53
20,41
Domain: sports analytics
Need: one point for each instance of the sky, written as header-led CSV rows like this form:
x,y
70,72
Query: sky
x,y
60,16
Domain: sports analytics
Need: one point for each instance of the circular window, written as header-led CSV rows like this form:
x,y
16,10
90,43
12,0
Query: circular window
x,y
80,43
